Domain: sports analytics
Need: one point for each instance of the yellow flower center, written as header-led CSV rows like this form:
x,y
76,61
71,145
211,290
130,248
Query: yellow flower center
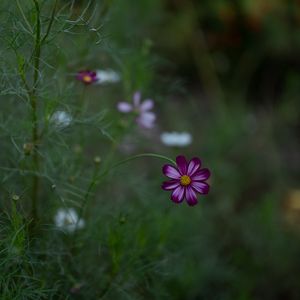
x,y
87,78
185,180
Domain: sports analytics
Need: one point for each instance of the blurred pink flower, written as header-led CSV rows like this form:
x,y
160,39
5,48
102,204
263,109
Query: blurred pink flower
x,y
146,117
98,77
87,76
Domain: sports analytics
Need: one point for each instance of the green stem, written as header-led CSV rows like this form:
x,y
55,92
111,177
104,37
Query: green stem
x,y
50,22
37,49
83,102
113,273
34,116
96,178
23,15
93,182
144,155
135,157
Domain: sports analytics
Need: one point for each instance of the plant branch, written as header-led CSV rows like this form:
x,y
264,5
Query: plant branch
x,y
135,157
50,22
23,15
34,112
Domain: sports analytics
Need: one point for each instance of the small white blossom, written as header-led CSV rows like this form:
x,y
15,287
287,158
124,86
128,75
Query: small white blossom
x,y
107,76
176,139
67,219
61,119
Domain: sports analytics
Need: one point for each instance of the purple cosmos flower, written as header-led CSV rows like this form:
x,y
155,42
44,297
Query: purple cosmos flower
x,y
145,117
187,179
87,77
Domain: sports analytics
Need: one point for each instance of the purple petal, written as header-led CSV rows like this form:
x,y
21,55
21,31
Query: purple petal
x,y
124,107
178,194
146,105
193,166
148,116
146,119
182,164
170,185
144,123
137,99
171,172
200,187
191,196
201,175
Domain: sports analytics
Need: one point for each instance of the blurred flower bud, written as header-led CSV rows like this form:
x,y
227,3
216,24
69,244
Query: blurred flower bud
x,y
122,220
77,149
15,197
28,148
97,160
61,119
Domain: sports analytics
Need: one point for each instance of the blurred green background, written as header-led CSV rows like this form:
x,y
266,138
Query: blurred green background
x,y
228,72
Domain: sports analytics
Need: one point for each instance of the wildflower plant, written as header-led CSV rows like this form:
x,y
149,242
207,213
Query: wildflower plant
x,y
59,142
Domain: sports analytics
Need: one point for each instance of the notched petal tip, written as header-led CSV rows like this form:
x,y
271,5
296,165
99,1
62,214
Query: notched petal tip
x,y
192,203
191,197
196,160
206,190
201,175
207,172
193,166
180,157
200,187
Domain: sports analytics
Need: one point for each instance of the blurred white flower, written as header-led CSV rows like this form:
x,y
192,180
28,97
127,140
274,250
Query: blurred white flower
x,y
67,219
107,76
177,139
61,119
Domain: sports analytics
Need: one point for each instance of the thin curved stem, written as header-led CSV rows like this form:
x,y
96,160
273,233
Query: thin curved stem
x,y
23,16
135,157
144,155
37,50
93,182
50,22
95,178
